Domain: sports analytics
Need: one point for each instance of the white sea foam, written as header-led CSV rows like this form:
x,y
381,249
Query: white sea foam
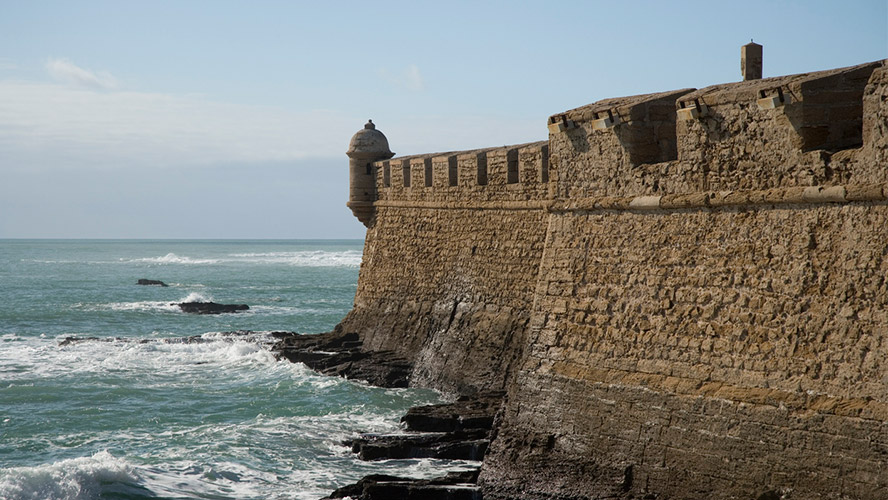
x,y
138,306
305,258
46,358
223,480
73,479
284,310
145,305
172,258
315,258
197,297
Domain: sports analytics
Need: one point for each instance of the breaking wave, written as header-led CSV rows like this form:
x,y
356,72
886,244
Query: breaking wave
x,y
318,258
84,478
146,305
172,258
307,258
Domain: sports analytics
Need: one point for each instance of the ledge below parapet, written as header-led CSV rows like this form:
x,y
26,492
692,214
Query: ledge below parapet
x,y
798,195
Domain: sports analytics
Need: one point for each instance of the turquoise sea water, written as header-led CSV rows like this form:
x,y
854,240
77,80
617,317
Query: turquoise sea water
x,y
140,412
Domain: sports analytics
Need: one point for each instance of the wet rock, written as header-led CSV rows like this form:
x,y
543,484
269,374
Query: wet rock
x,y
453,486
460,430
462,445
467,412
210,307
340,354
144,281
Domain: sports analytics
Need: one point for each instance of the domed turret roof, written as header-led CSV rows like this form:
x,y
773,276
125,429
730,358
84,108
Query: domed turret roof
x,y
368,143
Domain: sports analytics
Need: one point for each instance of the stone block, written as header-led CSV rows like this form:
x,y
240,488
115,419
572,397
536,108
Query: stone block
x,y
605,123
774,102
693,112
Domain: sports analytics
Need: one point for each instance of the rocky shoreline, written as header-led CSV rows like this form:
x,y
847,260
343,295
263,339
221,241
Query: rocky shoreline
x,y
461,430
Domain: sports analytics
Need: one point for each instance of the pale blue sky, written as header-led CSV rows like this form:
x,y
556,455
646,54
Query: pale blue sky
x,y
223,119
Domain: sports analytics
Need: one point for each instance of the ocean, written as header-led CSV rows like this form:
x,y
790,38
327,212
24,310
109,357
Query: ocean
x,y
164,404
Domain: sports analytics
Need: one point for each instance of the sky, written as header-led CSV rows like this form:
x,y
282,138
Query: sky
x,y
225,119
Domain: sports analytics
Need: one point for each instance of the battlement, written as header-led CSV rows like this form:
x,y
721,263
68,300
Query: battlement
x,y
753,135
775,132
758,134
510,173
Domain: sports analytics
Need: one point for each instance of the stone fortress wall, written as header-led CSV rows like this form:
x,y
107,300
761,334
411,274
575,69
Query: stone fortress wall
x,y
684,294
450,264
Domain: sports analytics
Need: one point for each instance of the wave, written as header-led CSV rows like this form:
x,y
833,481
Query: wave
x,y
83,478
172,258
72,357
197,297
314,258
146,305
139,306
286,310
305,258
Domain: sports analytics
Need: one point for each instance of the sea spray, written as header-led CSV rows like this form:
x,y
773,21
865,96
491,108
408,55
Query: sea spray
x,y
158,403
84,478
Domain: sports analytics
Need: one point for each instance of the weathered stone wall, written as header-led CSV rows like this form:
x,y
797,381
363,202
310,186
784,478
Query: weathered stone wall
x,y
621,157
736,144
448,271
446,178
688,343
875,118
685,294
866,164
733,351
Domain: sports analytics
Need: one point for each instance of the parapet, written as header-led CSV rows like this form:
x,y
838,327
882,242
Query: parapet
x,y
597,148
823,128
517,173
870,163
757,134
774,132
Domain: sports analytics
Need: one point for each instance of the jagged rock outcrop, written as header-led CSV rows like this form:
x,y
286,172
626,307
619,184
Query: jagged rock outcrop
x,y
453,486
460,430
341,354
456,431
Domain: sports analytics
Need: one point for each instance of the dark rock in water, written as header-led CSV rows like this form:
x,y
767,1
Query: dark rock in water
x,y
143,281
461,430
453,486
463,445
454,431
467,412
339,354
210,307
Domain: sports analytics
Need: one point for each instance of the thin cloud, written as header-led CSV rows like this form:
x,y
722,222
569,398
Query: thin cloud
x,y
410,79
53,126
413,79
46,126
65,71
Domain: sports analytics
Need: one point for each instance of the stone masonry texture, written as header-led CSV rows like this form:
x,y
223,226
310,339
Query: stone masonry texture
x,y
683,294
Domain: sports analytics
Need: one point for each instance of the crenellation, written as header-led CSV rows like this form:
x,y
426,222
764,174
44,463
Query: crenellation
x,y
407,175
740,145
642,132
445,178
